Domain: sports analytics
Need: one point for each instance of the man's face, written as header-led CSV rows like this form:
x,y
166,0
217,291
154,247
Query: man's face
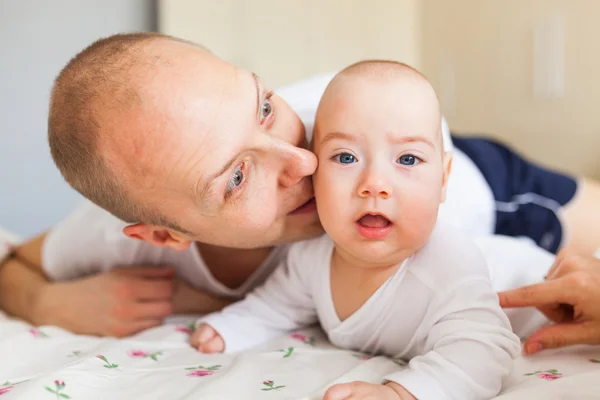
x,y
217,153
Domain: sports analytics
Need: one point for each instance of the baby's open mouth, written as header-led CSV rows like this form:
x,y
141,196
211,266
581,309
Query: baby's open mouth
x,y
374,221
373,226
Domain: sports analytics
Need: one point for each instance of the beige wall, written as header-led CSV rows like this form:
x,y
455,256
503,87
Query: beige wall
x,y
477,53
284,41
479,56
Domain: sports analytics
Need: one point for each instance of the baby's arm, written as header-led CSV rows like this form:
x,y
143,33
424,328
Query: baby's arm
x,y
282,304
468,350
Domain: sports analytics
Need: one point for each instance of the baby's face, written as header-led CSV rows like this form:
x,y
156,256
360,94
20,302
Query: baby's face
x,y
382,170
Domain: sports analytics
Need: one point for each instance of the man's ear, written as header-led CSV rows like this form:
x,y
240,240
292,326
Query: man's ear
x,y
447,163
158,236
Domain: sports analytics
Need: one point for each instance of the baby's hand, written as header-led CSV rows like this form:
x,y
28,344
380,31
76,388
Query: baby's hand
x,y
364,390
207,340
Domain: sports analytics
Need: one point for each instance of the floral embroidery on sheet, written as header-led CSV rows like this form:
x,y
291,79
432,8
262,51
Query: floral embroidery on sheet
x,y
187,329
549,375
303,338
362,357
106,363
270,385
37,333
286,352
6,387
144,354
202,371
75,353
59,386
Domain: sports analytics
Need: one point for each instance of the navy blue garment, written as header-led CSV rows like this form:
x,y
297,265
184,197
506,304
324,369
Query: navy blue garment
x,y
528,197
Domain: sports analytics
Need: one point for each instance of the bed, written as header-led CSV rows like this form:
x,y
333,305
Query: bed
x,y
50,363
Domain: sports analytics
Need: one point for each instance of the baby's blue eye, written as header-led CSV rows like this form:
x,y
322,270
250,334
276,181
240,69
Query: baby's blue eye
x,y
407,159
345,158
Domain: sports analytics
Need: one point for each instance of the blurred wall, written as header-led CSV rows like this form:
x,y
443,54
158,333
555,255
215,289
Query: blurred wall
x,y
524,71
37,38
283,41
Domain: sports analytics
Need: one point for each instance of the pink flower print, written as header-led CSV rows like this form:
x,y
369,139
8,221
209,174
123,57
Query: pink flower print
x,y
137,353
548,377
59,386
202,371
270,385
37,333
5,389
107,364
303,338
187,329
298,336
144,354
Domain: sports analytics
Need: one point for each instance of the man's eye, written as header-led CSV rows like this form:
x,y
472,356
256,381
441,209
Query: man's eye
x,y
265,109
236,179
408,159
345,158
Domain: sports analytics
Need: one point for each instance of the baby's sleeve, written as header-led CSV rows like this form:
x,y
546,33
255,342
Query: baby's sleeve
x,y
282,304
469,347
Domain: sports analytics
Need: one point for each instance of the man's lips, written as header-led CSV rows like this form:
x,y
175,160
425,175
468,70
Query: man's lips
x,y
308,207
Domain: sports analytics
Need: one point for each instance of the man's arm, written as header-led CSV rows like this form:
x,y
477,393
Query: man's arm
x,y
122,302
22,281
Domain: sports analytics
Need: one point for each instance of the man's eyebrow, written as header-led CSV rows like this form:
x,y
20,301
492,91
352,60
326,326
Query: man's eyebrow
x,y
337,135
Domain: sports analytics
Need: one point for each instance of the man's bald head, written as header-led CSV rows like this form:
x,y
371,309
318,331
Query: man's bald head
x,y
101,81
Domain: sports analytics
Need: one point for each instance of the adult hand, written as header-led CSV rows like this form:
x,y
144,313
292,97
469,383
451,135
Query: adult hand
x,y
570,297
118,303
189,300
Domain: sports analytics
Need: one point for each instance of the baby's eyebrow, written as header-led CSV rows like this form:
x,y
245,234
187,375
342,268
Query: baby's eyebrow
x,y
337,135
411,139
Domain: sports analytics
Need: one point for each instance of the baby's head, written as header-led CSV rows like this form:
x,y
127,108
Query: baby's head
x,y
382,167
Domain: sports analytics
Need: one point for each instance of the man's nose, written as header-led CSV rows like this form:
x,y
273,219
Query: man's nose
x,y
297,163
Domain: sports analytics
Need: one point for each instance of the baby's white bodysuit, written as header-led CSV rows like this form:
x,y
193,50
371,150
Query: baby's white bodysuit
x,y
438,310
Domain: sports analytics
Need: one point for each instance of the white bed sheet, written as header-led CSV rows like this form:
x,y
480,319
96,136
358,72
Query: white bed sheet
x,y
51,363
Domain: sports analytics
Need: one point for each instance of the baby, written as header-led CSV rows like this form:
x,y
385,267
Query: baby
x,y
386,279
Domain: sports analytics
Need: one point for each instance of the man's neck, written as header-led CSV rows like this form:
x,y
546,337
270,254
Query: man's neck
x,y
232,267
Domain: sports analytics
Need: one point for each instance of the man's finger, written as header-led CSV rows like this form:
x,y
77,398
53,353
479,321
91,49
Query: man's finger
x,y
560,335
539,294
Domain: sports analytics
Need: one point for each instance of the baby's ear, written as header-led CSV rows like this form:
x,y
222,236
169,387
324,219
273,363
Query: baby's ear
x,y
447,165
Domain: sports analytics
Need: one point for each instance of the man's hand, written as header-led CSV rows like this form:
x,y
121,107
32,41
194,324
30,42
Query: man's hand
x,y
570,297
188,300
117,303
364,390
207,340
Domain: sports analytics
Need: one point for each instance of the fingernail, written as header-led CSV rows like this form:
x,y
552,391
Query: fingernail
x,y
533,347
